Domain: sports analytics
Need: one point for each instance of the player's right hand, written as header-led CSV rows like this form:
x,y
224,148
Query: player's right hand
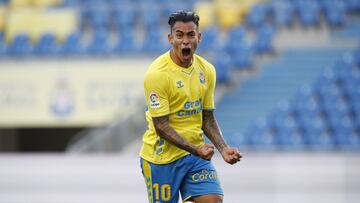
x,y
206,151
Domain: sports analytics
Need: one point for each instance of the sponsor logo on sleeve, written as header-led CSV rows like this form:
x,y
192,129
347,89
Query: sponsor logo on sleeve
x,y
154,100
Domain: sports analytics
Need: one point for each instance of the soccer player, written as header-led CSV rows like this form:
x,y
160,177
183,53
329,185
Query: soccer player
x,y
179,89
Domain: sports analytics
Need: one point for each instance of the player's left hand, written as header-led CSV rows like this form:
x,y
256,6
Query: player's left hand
x,y
231,155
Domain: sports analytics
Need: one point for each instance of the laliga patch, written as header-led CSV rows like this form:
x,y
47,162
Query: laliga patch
x,y
202,78
154,100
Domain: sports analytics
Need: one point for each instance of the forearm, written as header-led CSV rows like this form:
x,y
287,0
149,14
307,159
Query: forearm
x,y
165,131
212,130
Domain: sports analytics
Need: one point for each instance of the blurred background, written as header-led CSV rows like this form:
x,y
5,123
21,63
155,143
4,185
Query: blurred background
x,y
72,105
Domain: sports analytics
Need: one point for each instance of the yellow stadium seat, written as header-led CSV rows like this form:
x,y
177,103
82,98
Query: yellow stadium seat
x,y
2,18
233,12
206,12
228,13
36,21
46,3
19,3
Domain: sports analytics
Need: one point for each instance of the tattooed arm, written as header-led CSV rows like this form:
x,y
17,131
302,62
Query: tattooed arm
x,y
213,132
166,132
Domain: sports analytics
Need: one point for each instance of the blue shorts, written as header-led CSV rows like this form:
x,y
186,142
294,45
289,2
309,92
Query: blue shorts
x,y
191,175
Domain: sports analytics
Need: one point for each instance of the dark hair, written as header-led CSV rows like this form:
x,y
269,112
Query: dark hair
x,y
183,16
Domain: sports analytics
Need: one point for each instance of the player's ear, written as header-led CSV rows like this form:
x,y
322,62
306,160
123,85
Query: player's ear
x,y
170,38
199,36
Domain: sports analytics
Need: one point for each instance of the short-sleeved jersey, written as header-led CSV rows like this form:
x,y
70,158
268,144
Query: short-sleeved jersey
x,y
182,94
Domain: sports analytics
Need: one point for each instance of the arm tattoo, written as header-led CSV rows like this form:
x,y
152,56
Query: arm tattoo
x,y
169,134
212,130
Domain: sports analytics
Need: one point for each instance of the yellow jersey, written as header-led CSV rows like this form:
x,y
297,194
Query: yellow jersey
x,y
182,94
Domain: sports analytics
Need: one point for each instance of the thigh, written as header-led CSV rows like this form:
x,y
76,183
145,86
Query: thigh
x,y
200,180
162,181
212,198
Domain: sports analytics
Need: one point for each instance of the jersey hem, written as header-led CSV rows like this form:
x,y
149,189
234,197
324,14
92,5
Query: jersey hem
x,y
162,162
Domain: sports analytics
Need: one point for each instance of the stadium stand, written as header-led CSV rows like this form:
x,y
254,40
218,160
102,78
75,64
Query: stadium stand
x,y
237,35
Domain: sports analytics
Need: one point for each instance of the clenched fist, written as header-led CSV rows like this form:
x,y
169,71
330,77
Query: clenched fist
x,y
231,155
206,151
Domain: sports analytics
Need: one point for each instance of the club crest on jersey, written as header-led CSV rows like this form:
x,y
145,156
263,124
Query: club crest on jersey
x,y
154,100
179,84
202,78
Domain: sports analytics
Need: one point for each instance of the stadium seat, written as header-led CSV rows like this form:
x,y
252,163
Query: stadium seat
x,y
243,56
99,18
153,42
4,2
238,140
235,39
20,46
282,12
72,45
309,13
47,45
352,6
261,136
124,17
126,43
2,45
228,14
210,40
258,15
222,64
151,15
206,10
264,38
335,13
99,43
169,7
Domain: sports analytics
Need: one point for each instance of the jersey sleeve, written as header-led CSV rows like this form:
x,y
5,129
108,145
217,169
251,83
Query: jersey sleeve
x,y
156,92
209,103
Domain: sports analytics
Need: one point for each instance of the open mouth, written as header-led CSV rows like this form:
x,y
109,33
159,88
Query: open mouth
x,y
186,51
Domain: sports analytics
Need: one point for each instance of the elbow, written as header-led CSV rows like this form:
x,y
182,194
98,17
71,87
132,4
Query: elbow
x,y
160,129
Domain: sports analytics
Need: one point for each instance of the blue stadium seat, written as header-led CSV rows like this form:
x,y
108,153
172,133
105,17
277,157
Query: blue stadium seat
x,y
356,56
72,45
291,139
126,43
124,17
352,6
243,56
222,64
309,12
99,18
335,12
20,46
238,140
209,41
345,134
153,42
169,7
264,38
319,138
235,39
261,136
4,2
99,43
46,45
282,12
258,15
2,45
151,15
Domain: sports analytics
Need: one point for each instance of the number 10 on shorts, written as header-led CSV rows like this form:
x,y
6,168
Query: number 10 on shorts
x,y
163,190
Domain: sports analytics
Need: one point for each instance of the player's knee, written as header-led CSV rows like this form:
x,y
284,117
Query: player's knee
x,y
220,199
217,199
208,199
